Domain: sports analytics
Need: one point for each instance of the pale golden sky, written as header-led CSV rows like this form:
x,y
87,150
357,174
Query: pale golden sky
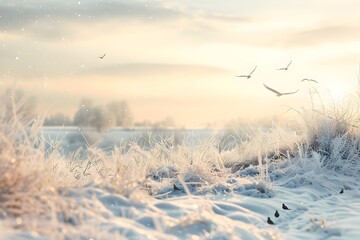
x,y
179,58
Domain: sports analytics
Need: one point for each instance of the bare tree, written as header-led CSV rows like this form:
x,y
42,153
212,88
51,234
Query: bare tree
x,y
84,116
116,113
122,113
102,118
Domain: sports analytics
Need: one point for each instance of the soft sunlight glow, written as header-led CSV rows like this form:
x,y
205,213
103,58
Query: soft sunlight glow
x,y
338,92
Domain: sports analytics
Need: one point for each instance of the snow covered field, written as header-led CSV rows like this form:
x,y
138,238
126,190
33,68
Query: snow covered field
x,y
179,191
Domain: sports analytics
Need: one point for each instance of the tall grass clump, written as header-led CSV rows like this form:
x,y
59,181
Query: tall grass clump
x,y
26,181
20,157
331,136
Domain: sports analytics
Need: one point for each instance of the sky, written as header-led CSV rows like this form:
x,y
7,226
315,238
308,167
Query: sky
x,y
180,58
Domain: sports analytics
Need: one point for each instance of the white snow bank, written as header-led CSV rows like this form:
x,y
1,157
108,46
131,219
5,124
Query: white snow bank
x,y
318,211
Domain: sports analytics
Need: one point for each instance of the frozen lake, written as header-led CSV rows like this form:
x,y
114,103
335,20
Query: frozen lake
x,y
68,139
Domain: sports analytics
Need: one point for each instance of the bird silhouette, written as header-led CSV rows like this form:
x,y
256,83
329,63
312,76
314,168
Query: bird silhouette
x,y
102,57
342,191
285,68
277,214
285,207
309,80
269,221
176,188
279,94
247,76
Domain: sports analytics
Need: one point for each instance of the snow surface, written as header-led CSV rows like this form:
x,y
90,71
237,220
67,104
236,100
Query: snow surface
x,y
237,210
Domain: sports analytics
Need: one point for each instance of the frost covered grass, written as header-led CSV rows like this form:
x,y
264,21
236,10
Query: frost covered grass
x,y
331,136
221,192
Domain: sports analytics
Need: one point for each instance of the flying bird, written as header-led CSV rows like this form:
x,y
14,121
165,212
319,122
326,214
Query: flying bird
x,y
176,188
102,57
277,214
279,94
269,221
309,80
247,76
342,191
285,68
285,207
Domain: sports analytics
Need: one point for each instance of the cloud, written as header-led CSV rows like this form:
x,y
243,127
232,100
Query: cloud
x,y
345,59
56,20
254,33
16,14
151,69
228,18
319,35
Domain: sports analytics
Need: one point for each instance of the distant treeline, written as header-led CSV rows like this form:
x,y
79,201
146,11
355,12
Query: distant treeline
x,y
114,114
